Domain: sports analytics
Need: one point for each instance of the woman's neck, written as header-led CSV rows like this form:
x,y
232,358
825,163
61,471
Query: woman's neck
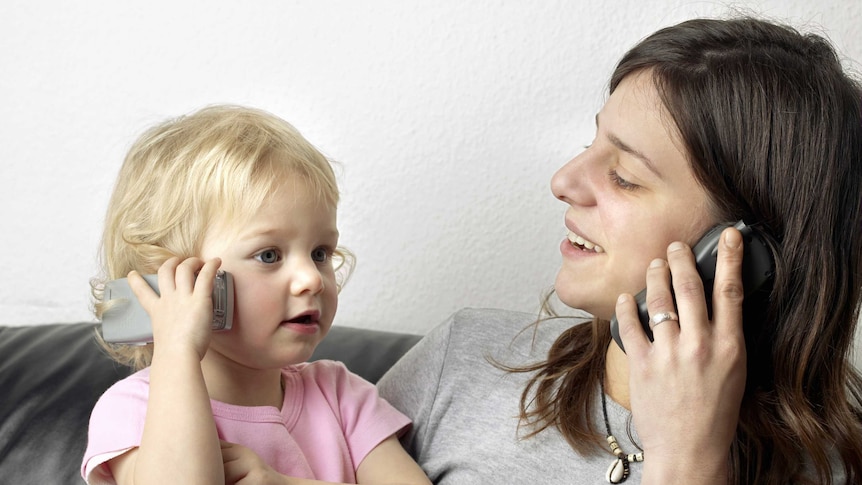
x,y
617,375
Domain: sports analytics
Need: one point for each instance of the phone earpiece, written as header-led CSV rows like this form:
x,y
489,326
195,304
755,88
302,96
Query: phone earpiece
x,y
757,269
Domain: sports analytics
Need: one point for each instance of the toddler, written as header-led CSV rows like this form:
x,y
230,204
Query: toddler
x,y
240,190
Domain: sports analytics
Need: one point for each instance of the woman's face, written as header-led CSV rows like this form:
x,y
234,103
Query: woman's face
x,y
630,194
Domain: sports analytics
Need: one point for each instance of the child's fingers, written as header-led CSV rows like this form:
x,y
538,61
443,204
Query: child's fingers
x,y
142,290
167,274
186,274
229,451
206,276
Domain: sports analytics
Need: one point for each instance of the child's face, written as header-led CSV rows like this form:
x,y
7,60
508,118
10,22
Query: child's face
x,y
284,281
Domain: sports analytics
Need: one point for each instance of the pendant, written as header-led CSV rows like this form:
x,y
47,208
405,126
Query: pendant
x,y
618,471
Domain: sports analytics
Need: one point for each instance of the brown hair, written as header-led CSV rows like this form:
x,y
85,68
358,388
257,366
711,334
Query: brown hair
x,y
773,129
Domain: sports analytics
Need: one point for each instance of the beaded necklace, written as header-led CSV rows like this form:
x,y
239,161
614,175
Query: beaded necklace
x,y
619,469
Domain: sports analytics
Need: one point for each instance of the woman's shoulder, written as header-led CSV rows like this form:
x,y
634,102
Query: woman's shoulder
x,y
481,332
497,324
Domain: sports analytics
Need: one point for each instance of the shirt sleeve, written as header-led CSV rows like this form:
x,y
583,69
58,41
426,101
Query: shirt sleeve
x,y
366,419
412,385
116,426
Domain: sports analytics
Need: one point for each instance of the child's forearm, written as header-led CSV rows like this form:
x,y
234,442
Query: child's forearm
x,y
180,443
386,464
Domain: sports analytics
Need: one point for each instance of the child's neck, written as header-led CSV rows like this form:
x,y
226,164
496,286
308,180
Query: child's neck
x,y
242,386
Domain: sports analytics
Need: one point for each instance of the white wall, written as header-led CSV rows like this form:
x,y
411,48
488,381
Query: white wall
x,y
448,117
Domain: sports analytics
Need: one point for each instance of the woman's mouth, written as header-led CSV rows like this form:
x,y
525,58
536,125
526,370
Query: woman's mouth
x,y
582,244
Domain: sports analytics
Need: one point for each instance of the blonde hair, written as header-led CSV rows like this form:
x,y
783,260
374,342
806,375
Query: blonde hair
x,y
220,162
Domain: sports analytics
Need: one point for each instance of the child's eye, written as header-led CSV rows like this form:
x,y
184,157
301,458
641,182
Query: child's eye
x,y
621,182
321,255
268,256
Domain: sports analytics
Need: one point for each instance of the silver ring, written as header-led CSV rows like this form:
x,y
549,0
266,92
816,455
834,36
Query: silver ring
x,y
661,318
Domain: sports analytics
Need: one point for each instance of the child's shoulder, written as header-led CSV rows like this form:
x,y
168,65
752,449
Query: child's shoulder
x,y
127,393
139,381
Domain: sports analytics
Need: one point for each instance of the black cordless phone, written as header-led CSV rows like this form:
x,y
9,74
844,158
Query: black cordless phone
x,y
757,269
126,322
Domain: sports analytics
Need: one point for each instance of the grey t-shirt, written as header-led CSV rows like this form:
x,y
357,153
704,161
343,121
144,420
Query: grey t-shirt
x,y
465,410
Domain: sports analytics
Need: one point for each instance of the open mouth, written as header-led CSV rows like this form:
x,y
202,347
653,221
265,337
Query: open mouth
x,y
583,244
309,318
304,320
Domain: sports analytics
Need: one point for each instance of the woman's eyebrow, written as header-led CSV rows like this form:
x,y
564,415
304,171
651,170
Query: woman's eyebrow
x,y
621,145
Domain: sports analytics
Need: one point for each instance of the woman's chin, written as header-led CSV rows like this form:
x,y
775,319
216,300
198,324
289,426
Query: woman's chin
x,y
577,300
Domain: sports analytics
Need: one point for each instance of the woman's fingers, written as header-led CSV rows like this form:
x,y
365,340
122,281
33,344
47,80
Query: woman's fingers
x,y
632,334
728,293
676,300
688,291
664,320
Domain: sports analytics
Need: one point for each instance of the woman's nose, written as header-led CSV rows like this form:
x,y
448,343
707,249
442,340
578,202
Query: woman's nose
x,y
573,182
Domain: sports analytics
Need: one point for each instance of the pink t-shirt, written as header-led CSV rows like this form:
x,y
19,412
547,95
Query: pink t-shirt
x,y
329,421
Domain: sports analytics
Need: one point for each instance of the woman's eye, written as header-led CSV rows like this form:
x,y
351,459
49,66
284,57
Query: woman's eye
x,y
320,255
268,256
621,182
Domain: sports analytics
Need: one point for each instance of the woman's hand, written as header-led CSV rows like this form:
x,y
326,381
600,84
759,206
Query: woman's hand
x,y
686,386
181,316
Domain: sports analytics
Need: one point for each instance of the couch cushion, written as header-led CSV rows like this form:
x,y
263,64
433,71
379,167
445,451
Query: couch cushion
x,y
50,378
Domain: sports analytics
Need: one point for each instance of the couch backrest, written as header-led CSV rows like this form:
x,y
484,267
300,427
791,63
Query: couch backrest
x,y
52,375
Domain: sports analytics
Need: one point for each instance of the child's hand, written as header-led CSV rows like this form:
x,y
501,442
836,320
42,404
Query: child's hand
x,y
182,315
242,466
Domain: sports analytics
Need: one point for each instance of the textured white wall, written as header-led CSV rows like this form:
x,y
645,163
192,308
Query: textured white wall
x,y
448,118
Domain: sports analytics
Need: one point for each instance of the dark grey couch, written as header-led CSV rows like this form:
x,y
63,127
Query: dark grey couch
x,y
52,375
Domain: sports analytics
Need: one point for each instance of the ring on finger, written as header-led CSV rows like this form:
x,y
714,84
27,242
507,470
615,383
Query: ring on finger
x,y
660,318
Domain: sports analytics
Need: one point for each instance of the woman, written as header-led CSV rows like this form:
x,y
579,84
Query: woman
x,y
707,122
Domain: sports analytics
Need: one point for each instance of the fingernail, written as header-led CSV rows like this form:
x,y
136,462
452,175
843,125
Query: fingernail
x,y
732,239
657,263
621,298
675,246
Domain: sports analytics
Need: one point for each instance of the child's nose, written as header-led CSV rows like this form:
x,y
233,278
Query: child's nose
x,y
306,278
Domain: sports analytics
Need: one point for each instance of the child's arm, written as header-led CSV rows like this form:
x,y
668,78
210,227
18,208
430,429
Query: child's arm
x,y
389,463
179,443
386,464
